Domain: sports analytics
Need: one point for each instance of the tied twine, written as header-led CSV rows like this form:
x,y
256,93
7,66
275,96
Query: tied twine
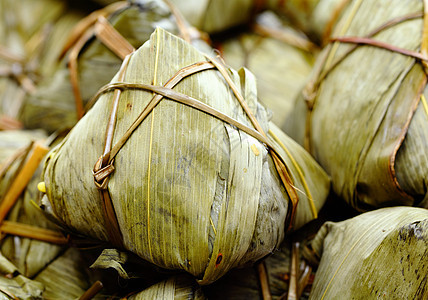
x,y
325,68
94,24
97,25
104,165
327,65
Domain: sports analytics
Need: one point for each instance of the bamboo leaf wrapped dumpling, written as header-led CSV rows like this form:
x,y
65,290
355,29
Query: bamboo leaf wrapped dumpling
x,y
364,107
379,254
188,191
53,106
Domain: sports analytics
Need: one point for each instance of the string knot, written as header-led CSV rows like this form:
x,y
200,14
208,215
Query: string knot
x,y
101,173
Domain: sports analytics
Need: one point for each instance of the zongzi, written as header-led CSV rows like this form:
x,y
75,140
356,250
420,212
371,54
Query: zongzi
x,y
185,181
93,55
362,115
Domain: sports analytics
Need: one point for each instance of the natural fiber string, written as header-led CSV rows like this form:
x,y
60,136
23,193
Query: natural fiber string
x,y
83,31
167,92
370,41
110,37
294,272
106,161
263,277
323,71
379,44
280,166
182,25
194,103
96,24
344,28
183,99
103,168
311,87
86,23
335,16
184,72
424,45
74,75
300,173
95,288
421,56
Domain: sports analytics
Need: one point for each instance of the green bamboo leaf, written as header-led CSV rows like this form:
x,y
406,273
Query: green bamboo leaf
x,y
16,285
66,277
175,288
377,254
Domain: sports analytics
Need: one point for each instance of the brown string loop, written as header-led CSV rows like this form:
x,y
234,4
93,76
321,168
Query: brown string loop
x,y
310,91
379,44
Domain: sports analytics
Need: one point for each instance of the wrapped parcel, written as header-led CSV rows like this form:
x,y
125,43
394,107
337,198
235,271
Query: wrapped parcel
x,y
364,115
185,181
92,57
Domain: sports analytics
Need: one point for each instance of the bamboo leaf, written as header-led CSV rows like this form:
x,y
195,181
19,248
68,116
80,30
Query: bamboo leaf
x,y
377,254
